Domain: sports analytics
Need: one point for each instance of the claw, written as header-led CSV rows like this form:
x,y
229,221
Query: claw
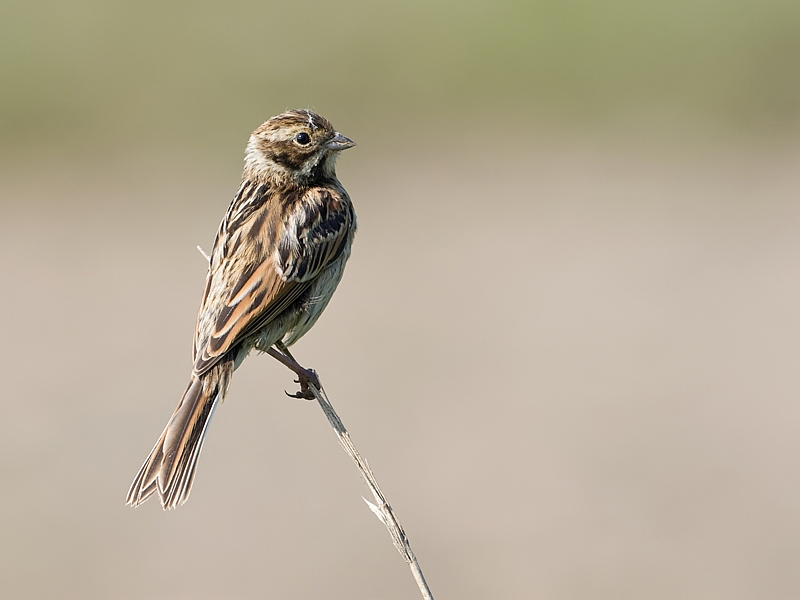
x,y
301,395
306,378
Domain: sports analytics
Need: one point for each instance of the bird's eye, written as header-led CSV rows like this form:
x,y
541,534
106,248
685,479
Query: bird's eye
x,y
302,138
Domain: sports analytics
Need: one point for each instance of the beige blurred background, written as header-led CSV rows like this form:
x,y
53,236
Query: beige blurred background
x,y
567,340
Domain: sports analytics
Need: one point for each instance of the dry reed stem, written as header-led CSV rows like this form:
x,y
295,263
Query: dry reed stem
x,y
381,508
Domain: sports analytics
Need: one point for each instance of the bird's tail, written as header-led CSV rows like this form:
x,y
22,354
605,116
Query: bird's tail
x,y
170,468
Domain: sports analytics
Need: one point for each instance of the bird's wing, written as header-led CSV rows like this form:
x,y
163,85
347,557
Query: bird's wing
x,y
265,257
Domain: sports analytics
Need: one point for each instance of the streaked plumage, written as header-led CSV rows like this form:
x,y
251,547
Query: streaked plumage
x,y
278,256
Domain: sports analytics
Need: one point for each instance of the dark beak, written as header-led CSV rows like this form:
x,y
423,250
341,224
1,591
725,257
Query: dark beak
x,y
339,142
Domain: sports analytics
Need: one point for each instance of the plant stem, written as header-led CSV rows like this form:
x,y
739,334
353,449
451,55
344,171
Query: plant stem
x,y
381,508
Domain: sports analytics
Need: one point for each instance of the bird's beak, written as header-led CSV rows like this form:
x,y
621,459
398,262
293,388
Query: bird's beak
x,y
339,142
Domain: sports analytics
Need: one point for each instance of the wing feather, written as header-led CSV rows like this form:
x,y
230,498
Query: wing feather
x,y
266,256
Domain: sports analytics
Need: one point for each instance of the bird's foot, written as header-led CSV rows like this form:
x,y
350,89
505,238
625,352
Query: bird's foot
x,y
306,380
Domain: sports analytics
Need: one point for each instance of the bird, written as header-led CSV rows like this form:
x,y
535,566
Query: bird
x,y
277,259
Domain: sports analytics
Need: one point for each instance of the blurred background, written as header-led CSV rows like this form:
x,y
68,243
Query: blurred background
x,y
567,340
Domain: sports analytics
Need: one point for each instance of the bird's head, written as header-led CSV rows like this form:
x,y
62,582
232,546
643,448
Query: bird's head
x,y
298,145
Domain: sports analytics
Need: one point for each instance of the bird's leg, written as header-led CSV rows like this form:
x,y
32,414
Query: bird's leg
x,y
284,350
305,377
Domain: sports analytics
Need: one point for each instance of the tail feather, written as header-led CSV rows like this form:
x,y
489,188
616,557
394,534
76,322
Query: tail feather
x,y
170,468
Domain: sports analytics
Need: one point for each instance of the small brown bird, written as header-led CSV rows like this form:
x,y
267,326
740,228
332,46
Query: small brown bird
x,y
278,256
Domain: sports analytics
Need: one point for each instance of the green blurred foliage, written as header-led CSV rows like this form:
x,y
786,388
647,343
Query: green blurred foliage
x,y
113,70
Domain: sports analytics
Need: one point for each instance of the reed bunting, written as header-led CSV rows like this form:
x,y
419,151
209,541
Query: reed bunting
x,y
278,256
